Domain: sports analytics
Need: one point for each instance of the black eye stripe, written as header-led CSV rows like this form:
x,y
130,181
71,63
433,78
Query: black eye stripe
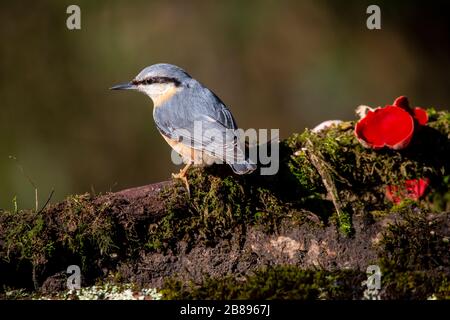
x,y
151,80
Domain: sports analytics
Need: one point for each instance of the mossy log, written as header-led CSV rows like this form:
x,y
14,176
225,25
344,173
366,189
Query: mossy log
x,y
325,211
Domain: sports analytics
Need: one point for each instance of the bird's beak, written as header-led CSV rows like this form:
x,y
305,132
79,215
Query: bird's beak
x,y
123,86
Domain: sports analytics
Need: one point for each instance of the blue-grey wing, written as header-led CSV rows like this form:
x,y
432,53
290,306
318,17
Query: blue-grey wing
x,y
198,118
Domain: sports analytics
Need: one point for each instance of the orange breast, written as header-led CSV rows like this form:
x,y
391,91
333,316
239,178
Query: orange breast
x,y
190,155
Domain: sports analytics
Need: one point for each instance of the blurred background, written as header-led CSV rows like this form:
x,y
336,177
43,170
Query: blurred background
x,y
276,64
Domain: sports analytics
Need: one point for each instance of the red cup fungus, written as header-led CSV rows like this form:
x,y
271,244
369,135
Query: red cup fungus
x,y
392,126
411,189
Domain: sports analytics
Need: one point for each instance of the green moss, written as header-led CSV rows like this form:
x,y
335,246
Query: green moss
x,y
88,229
417,285
439,120
443,292
301,168
216,208
24,237
82,232
413,243
345,223
281,282
414,255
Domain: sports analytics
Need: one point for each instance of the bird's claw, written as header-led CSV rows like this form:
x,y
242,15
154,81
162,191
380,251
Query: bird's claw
x,y
182,176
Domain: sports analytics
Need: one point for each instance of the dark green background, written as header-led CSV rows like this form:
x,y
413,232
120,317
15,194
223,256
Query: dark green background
x,y
276,64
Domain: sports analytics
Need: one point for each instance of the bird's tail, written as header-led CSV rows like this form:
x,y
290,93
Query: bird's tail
x,y
243,168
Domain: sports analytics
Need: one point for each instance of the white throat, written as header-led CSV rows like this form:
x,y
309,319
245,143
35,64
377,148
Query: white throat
x,y
158,92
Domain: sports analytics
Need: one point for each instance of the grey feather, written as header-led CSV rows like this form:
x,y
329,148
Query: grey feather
x,y
194,103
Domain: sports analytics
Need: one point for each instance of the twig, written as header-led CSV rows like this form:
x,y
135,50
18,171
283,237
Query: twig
x,y
19,165
48,200
321,165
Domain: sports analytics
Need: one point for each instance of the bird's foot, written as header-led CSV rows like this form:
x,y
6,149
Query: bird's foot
x,y
182,177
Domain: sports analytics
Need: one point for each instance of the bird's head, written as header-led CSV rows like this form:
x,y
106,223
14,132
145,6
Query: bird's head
x,y
157,80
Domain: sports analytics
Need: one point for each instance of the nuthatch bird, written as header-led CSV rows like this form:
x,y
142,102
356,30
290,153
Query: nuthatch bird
x,y
191,118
